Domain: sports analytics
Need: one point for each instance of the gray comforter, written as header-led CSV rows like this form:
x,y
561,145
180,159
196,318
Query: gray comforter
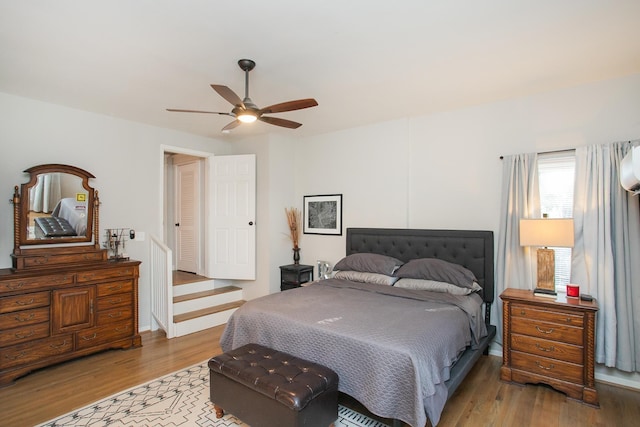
x,y
392,348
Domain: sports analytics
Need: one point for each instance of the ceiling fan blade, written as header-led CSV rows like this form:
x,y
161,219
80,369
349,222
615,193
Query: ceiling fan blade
x,y
229,95
176,110
280,122
289,106
233,124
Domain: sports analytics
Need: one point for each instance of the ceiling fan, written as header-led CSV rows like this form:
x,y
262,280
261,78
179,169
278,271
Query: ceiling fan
x,y
245,111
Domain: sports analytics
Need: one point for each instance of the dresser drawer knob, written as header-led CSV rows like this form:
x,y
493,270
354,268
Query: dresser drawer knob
x,y
122,329
115,301
25,318
86,338
546,368
541,348
58,347
15,286
523,312
115,288
114,315
544,332
19,335
17,356
25,303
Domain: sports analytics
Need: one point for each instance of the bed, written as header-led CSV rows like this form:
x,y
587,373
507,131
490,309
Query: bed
x,y
393,348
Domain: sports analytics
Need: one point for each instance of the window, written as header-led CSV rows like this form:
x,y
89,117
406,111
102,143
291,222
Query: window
x,y
556,175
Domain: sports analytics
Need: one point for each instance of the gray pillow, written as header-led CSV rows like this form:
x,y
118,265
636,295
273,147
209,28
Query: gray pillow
x,y
434,286
369,263
359,276
438,270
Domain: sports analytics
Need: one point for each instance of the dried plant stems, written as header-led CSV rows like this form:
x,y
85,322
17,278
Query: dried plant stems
x,y
294,219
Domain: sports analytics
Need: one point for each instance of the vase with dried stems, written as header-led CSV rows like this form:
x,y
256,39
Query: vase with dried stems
x,y
294,220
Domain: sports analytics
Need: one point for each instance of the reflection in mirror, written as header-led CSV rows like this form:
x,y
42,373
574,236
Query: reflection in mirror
x,y
57,207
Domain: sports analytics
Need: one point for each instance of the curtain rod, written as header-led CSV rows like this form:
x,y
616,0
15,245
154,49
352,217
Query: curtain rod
x,y
566,150
569,149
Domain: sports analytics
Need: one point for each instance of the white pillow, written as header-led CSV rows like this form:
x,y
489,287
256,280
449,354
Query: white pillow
x,y
435,286
359,276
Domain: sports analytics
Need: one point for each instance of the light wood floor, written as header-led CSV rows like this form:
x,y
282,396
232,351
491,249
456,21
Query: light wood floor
x,y
481,400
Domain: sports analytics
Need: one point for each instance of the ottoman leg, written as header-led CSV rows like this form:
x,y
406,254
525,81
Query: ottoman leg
x,y
219,411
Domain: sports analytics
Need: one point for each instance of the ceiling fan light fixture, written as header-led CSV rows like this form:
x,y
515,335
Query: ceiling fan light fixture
x,y
247,117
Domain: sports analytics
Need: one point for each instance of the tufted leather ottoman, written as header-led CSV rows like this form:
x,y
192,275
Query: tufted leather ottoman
x,y
268,388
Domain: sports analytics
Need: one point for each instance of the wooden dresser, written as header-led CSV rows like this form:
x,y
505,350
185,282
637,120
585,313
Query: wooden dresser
x,y
56,314
551,341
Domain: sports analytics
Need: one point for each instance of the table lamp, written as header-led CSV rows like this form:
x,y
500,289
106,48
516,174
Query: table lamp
x,y
544,232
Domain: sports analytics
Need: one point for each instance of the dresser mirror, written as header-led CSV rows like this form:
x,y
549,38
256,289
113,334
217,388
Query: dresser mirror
x,y
55,213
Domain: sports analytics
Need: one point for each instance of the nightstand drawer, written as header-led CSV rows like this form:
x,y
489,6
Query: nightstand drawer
x,y
560,317
547,367
549,331
546,348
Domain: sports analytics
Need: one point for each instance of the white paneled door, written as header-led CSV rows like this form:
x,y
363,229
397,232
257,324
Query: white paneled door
x,y
187,218
232,217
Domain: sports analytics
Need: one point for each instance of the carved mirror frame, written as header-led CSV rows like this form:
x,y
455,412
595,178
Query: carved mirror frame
x,y
51,252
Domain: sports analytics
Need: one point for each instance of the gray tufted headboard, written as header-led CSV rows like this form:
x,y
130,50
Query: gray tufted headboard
x,y
470,248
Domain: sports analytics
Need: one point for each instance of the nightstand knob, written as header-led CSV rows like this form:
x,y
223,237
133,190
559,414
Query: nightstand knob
x,y
539,347
548,368
544,332
523,312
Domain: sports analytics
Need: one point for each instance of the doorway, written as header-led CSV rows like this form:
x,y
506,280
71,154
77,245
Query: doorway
x,y
184,219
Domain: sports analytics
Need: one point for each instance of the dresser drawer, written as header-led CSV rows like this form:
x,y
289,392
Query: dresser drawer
x,y
547,367
23,334
23,354
547,348
104,334
112,273
117,300
549,331
115,315
54,260
117,287
31,283
554,316
23,302
23,318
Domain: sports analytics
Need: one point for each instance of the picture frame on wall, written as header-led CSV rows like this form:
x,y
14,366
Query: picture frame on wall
x,y
323,214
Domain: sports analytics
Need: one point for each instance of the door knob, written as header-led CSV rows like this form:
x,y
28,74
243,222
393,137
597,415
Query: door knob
x,y
177,224
250,222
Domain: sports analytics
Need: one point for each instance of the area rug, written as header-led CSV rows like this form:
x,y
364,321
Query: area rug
x,y
178,399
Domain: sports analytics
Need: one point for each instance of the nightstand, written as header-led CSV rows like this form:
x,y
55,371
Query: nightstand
x,y
551,341
294,275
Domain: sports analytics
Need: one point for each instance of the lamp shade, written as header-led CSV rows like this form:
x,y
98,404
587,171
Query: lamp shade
x,y
554,232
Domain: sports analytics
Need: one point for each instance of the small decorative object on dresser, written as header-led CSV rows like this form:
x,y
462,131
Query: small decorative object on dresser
x,y
550,341
294,275
62,299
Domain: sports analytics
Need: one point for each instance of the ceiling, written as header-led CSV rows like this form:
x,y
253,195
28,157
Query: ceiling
x,y
364,61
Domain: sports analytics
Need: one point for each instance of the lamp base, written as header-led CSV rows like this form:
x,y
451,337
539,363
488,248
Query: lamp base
x,y
540,292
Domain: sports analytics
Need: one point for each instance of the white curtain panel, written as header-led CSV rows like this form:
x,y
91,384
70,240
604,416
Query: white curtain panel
x,y
46,194
520,199
606,252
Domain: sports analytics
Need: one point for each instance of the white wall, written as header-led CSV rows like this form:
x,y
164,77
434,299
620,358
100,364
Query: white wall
x,y
125,158
443,170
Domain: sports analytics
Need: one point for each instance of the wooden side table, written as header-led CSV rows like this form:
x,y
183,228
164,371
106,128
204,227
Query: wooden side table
x,y
294,275
551,341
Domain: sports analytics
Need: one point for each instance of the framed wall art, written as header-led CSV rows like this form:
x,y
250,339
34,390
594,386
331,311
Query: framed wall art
x,y
323,214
